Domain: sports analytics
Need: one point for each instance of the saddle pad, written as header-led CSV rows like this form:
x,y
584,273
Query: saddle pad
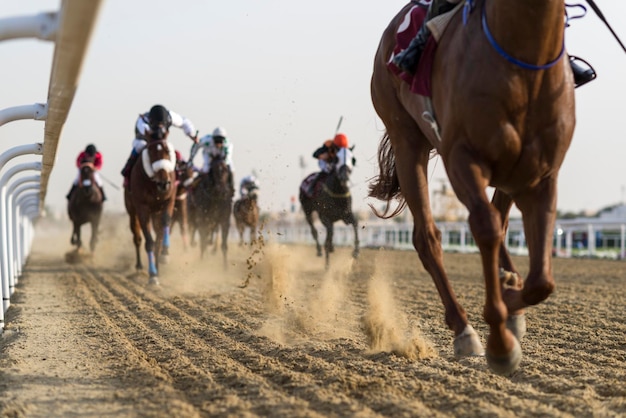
x,y
305,186
420,82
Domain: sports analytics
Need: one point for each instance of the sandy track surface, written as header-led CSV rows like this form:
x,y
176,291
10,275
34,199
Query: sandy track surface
x,y
363,339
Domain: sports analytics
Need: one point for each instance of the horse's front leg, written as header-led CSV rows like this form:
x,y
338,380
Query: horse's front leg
x,y
328,243
183,224
94,235
351,220
136,231
510,280
466,176
163,236
225,227
75,239
145,222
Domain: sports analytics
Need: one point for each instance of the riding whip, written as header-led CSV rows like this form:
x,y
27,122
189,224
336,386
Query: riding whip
x,y
596,9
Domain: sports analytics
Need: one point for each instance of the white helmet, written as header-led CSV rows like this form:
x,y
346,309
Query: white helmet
x,y
219,132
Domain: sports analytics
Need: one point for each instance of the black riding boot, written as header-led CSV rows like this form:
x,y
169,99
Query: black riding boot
x,y
71,191
104,197
407,59
581,75
129,166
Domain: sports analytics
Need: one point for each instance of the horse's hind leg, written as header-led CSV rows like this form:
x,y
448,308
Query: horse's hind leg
x,y
412,153
538,207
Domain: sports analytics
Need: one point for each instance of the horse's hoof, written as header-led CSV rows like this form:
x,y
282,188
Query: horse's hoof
x,y
517,325
164,258
355,254
468,344
507,364
153,281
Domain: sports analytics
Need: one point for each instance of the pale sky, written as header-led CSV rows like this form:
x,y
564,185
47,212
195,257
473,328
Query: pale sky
x,y
277,75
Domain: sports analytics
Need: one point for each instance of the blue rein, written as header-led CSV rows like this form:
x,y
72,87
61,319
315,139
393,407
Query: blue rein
x,y
501,51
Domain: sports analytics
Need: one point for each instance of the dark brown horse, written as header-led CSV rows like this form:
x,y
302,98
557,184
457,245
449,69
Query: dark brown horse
x,y
85,206
184,177
212,198
246,213
333,202
150,203
503,97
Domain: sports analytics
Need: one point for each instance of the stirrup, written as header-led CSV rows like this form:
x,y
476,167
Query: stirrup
x,y
582,75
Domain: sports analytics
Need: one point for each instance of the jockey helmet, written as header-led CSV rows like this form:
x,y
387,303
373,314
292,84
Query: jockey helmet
x,y
219,132
341,141
159,115
91,150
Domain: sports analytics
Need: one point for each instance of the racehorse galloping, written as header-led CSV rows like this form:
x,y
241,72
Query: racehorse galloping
x,y
150,203
246,213
503,96
85,206
212,199
332,203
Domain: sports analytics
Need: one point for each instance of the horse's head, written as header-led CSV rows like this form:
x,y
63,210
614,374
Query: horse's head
x,y
253,193
159,163
86,179
185,173
219,174
344,166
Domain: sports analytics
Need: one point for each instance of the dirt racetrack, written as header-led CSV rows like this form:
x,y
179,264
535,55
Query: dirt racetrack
x,y
364,339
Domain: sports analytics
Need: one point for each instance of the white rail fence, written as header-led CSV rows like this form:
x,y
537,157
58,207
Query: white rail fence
x,y
22,198
584,237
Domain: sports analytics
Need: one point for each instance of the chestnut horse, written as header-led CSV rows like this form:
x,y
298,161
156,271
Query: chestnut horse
x,y
150,203
332,203
85,206
503,97
212,200
246,213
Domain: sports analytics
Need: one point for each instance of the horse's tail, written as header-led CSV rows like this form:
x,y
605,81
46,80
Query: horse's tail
x,y
386,185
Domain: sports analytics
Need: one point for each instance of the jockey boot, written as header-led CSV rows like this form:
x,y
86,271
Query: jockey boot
x,y
581,75
129,166
71,191
407,59
104,197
